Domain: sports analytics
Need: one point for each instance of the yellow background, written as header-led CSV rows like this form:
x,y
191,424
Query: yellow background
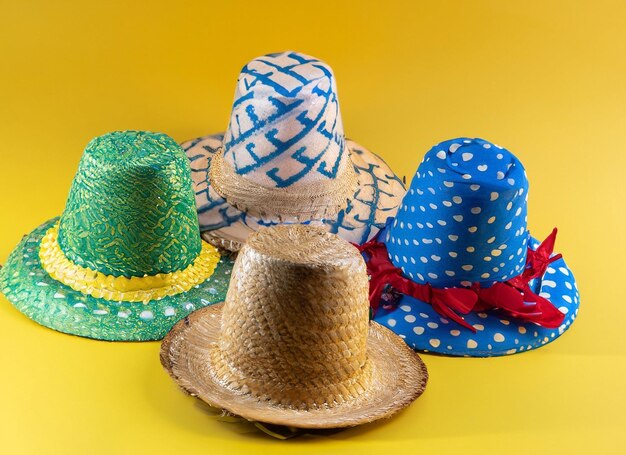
x,y
546,79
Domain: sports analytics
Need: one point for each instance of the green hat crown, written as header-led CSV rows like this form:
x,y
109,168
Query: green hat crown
x,y
131,209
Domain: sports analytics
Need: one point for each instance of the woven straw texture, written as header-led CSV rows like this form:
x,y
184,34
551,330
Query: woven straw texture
x,y
292,344
318,200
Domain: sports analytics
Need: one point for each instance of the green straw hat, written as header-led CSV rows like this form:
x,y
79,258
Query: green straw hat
x,y
125,260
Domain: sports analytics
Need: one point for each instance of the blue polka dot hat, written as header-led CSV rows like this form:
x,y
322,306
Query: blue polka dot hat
x,y
284,158
457,272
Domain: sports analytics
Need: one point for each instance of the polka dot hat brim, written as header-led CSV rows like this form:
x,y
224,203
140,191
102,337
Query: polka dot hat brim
x,y
496,334
52,304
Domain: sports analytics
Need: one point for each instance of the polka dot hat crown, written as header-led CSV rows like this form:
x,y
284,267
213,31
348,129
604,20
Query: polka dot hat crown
x,y
457,272
464,217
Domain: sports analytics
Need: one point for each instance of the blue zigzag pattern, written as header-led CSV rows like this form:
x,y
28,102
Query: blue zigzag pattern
x,y
285,101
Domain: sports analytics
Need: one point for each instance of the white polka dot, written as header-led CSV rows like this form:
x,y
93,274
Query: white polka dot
x,y
563,309
485,275
409,318
499,156
467,267
454,147
498,337
423,259
482,315
494,196
472,229
511,181
564,271
434,257
424,315
475,210
458,218
453,237
452,254
146,315
479,327
434,342
518,211
432,325
474,187
467,156
457,199
549,283
521,329
449,273
432,206
482,167
441,154
448,184
455,333
432,275
508,225
447,203
169,311
441,223
491,220
499,175
567,298
467,176
509,205
405,308
470,249
471,344
418,330
391,322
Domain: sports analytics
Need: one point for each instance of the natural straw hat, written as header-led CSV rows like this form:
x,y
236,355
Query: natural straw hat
x,y
284,159
293,344
125,260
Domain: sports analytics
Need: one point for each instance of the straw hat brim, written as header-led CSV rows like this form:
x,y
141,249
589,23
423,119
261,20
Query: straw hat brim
x,y
54,305
399,377
496,333
377,197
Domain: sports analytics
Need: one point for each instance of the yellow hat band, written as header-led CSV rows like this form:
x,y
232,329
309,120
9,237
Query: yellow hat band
x,y
121,288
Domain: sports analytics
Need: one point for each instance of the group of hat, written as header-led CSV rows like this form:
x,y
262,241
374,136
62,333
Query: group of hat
x,y
340,274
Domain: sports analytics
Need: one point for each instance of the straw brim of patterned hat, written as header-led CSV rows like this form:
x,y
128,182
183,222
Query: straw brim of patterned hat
x,y
50,303
377,195
496,332
398,377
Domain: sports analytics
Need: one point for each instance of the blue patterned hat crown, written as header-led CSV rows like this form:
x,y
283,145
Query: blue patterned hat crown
x,y
463,219
285,127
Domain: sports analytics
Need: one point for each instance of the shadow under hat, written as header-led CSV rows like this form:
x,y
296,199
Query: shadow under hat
x,y
284,159
476,282
125,260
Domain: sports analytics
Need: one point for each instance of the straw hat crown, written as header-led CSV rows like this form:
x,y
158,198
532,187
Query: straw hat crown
x,y
131,209
284,152
295,321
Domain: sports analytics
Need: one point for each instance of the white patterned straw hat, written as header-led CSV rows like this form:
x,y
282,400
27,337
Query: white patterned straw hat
x,y
284,159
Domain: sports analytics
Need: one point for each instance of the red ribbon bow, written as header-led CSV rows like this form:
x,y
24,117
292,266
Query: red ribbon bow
x,y
513,296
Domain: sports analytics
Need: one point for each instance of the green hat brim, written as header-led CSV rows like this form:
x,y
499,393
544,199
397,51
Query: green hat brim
x,y
52,304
